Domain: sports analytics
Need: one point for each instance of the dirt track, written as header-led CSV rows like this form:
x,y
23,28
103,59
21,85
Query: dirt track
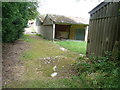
x,y
11,61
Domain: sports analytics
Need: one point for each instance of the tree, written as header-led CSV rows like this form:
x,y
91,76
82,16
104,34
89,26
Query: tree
x,y
15,16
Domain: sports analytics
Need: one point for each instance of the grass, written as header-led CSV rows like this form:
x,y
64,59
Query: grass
x,y
96,72
39,48
27,39
50,83
75,46
37,74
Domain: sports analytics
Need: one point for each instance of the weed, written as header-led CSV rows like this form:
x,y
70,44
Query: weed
x,y
99,72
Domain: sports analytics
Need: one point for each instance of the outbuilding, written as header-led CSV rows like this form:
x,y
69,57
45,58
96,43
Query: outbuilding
x,y
62,27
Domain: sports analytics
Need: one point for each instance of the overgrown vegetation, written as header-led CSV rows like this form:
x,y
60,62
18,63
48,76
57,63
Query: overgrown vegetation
x,y
15,16
75,46
98,72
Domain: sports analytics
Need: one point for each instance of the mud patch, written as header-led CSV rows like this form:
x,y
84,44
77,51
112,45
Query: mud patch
x,y
12,66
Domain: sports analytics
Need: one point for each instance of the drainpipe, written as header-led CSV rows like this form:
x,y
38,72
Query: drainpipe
x,y
53,32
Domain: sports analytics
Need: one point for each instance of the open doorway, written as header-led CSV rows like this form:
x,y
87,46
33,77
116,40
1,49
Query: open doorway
x,y
62,31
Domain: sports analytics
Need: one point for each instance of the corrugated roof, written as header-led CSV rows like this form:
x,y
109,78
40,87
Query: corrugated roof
x,y
67,20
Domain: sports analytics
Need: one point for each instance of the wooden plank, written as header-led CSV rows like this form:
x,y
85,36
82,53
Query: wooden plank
x,y
98,36
111,30
108,30
101,35
101,13
95,36
104,35
119,29
90,38
102,31
108,9
115,22
116,28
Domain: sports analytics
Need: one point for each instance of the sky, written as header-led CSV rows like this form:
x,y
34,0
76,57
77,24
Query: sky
x,y
76,8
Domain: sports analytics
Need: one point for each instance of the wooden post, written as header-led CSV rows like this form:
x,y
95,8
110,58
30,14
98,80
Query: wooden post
x,y
53,32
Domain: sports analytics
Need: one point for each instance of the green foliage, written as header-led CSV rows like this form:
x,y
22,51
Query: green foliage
x,y
75,46
98,72
15,16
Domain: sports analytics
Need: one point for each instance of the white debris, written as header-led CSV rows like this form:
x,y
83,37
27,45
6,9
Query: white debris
x,y
54,68
48,62
81,55
63,49
47,57
57,56
54,74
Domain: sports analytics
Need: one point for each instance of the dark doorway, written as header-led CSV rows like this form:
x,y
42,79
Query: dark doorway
x,y
62,31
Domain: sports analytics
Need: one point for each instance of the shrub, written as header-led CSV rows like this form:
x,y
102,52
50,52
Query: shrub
x,y
15,16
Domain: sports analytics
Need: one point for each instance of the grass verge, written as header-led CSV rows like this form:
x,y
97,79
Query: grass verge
x,y
75,46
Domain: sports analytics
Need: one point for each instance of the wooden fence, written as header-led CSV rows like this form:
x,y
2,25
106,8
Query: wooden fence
x,y
104,28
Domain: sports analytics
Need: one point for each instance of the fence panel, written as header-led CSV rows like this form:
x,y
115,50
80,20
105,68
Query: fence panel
x,y
104,29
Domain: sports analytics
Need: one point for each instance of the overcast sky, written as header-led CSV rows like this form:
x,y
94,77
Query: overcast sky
x,y
77,8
